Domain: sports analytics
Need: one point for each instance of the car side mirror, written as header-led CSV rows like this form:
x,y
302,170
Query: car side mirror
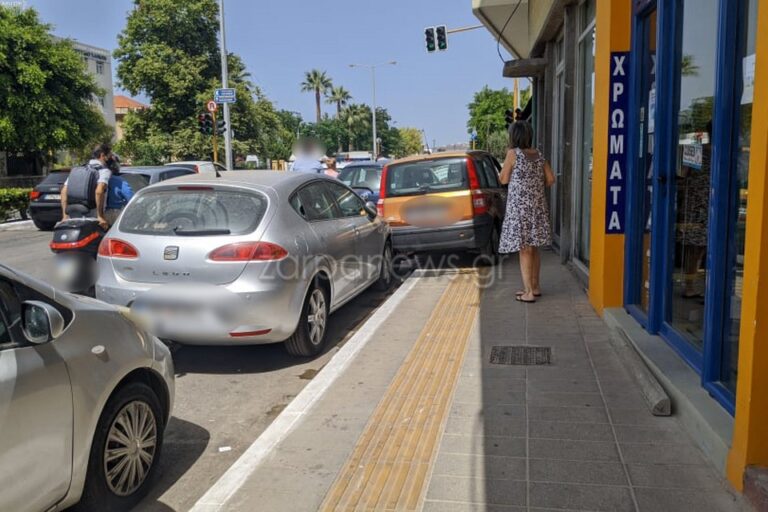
x,y
370,208
41,322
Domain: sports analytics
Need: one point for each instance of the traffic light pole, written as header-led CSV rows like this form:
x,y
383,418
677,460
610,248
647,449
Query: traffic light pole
x,y
225,85
215,139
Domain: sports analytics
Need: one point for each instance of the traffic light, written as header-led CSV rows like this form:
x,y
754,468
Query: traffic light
x,y
205,122
442,37
429,35
221,126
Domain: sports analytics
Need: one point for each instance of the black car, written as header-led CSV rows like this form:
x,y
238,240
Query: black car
x,y
45,200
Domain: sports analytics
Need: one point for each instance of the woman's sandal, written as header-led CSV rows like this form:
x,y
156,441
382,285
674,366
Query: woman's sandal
x,y
519,298
520,293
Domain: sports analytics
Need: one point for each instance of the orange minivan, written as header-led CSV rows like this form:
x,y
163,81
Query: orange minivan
x,y
444,201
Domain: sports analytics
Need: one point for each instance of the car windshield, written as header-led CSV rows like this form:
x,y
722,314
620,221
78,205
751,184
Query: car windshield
x,y
194,213
136,181
361,177
424,177
55,178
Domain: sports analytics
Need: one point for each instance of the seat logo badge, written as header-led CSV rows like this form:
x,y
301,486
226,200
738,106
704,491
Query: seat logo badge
x,y
171,252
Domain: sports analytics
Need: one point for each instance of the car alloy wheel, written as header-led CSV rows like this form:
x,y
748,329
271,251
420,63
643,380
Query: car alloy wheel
x,y
130,448
317,316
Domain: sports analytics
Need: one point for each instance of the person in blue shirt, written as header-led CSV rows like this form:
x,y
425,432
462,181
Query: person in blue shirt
x,y
119,192
308,156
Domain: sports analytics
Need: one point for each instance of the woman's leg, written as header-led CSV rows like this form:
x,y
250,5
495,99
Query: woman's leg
x,y
526,269
535,272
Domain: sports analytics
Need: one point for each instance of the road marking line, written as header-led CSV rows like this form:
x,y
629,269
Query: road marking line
x,y
389,466
231,481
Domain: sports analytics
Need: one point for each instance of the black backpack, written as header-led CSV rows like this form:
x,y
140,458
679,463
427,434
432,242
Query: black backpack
x,y
81,186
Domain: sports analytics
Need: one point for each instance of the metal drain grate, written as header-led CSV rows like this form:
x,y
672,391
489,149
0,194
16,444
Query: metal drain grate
x,y
521,355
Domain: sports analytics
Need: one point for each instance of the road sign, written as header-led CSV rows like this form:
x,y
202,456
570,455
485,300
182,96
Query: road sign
x,y
225,95
212,106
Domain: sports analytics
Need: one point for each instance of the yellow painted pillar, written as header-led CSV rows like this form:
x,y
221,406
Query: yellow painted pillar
x,y
613,29
750,430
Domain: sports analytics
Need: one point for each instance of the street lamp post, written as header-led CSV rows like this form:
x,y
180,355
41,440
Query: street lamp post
x,y
373,67
225,84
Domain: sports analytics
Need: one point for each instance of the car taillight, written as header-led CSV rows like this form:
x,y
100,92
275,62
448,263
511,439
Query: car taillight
x,y
380,207
383,184
248,251
116,248
34,194
479,201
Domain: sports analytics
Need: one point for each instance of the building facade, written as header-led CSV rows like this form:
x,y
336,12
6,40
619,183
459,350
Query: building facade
x,y
124,105
98,61
655,115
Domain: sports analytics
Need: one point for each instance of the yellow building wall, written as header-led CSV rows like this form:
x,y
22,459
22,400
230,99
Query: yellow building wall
x,y
606,274
750,431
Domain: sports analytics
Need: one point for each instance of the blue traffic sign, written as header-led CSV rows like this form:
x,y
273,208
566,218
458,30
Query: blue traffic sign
x,y
224,96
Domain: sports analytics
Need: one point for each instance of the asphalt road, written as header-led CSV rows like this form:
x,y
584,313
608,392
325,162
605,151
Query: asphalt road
x,y
225,396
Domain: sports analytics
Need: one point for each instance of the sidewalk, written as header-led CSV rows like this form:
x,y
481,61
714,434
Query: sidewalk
x,y
423,420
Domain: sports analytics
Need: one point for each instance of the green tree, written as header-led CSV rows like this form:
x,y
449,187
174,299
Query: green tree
x,y
357,120
498,144
486,113
411,142
169,51
47,96
318,82
338,96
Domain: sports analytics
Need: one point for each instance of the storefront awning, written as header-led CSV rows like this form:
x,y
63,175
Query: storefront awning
x,y
495,13
524,68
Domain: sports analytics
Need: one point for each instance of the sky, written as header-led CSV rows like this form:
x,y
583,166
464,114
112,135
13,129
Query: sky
x,y
281,39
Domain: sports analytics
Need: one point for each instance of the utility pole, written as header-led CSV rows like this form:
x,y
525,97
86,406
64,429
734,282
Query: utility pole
x,y
225,85
373,67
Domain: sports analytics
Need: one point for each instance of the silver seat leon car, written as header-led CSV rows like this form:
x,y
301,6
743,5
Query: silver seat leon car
x,y
249,257
85,395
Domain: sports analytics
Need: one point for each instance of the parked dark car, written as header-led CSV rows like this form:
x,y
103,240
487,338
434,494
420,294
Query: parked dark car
x,y
45,198
364,178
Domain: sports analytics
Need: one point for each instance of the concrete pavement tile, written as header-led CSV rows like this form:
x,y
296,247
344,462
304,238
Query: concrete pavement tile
x,y
677,500
501,371
640,416
572,450
489,445
639,434
490,396
460,506
674,476
565,399
571,431
568,414
575,385
499,412
627,399
497,492
646,453
577,472
539,373
511,427
480,466
581,497
271,499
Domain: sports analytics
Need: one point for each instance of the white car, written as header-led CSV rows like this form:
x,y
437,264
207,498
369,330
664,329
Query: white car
x,y
200,166
85,395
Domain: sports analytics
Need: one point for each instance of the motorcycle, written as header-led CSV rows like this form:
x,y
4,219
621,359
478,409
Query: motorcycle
x,y
76,244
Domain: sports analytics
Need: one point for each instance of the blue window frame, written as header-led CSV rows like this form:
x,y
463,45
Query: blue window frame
x,y
722,207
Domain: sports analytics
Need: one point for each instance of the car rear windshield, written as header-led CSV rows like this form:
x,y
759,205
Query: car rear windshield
x,y
55,178
361,177
136,181
427,176
194,213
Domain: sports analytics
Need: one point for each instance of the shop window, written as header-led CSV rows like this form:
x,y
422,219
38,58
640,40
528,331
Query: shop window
x,y
586,97
100,68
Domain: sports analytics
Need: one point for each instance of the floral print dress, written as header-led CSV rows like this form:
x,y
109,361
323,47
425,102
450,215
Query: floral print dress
x,y
526,222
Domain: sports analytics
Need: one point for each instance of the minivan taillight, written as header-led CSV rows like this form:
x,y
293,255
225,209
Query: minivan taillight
x,y
34,194
383,184
116,248
479,200
248,251
380,207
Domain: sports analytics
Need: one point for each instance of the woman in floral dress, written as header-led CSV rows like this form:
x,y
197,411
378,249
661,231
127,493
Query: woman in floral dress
x,y
526,222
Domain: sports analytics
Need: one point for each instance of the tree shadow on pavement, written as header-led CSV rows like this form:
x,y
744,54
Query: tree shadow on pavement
x,y
183,445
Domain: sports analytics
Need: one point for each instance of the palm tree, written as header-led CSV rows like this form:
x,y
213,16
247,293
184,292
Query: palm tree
x,y
318,82
340,96
357,118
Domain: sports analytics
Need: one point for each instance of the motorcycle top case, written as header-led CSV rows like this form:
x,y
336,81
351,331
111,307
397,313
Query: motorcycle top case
x,y
81,235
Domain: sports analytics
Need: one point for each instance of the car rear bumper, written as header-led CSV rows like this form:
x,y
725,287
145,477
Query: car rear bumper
x,y
268,311
45,212
468,235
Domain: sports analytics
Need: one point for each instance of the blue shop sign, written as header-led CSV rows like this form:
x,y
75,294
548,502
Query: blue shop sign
x,y
617,144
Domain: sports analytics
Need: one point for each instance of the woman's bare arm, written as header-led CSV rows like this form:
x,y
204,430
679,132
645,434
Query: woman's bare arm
x,y
549,175
506,169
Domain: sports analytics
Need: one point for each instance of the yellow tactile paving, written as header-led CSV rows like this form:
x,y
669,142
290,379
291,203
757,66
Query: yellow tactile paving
x,y
390,463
